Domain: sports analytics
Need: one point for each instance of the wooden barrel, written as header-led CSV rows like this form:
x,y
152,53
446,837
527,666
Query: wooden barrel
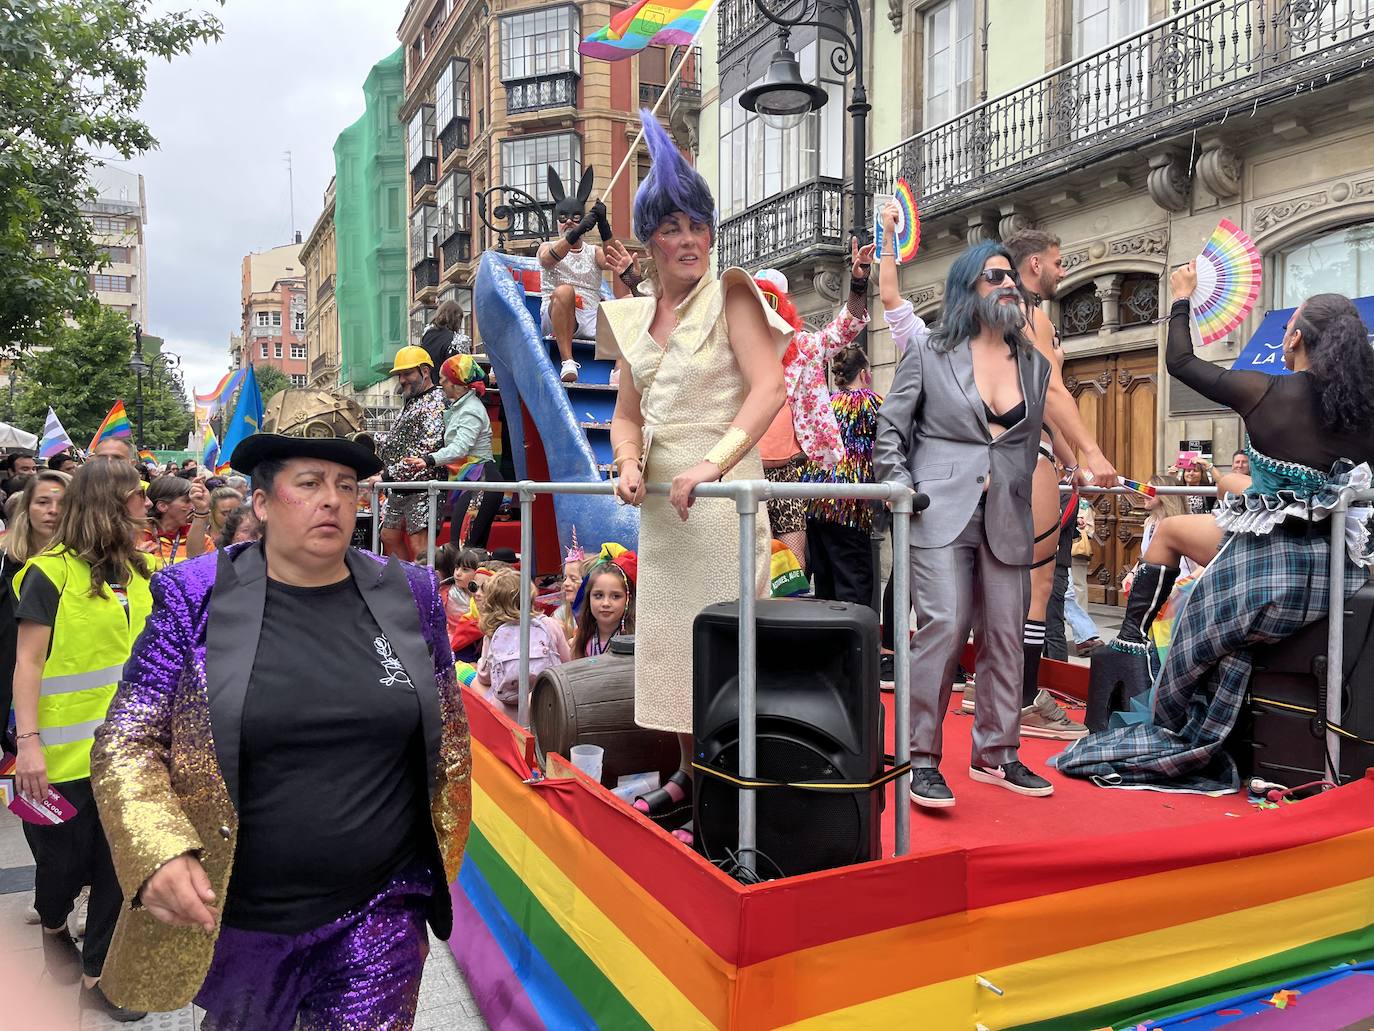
x,y
591,702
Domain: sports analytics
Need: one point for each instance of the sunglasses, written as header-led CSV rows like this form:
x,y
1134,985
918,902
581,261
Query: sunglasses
x,y
137,490
996,276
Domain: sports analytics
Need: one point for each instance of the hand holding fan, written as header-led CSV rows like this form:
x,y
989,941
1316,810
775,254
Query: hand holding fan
x,y
908,234
1228,282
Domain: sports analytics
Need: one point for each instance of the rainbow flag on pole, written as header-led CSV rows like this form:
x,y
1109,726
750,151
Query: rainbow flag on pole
x,y
116,424
209,402
55,439
646,23
209,454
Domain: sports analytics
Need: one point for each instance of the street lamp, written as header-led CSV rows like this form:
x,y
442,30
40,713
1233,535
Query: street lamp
x,y
783,99
138,366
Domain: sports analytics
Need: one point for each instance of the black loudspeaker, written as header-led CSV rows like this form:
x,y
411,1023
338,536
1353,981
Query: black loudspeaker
x,y
1280,726
819,719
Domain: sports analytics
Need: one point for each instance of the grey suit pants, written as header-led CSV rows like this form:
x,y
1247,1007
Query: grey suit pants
x,y
958,587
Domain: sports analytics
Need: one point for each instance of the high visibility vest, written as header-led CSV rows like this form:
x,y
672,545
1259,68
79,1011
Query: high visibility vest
x,y
91,641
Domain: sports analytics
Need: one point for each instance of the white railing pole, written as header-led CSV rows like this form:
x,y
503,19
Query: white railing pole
x,y
432,530
376,519
526,495
901,662
1335,641
747,504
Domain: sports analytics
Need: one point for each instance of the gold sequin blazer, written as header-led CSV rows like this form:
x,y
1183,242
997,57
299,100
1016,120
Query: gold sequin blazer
x,y
165,763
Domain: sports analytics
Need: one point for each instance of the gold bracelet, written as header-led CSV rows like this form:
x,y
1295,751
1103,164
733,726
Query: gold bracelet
x,y
731,447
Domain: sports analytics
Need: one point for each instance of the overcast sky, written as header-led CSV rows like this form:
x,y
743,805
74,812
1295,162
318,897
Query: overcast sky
x,y
287,75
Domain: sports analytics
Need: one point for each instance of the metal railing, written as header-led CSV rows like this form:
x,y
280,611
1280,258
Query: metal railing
x,y
1184,71
811,215
546,91
748,495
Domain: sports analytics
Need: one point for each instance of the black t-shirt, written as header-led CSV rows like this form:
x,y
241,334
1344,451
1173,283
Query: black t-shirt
x,y
332,788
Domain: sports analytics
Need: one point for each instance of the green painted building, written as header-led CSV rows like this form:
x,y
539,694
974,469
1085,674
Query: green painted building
x,y
370,228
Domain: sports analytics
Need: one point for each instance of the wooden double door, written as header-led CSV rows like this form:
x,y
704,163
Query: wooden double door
x,y
1117,396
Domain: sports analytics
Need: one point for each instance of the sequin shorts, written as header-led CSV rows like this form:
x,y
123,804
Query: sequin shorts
x,y
408,507
786,515
360,971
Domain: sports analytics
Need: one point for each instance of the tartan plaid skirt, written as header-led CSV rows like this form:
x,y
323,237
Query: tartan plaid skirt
x,y
1258,589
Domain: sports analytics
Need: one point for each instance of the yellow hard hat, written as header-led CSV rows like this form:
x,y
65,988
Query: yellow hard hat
x,y
410,357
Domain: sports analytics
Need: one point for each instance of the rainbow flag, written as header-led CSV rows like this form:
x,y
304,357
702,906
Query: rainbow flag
x,y
648,22
1146,489
209,453
209,402
146,455
116,424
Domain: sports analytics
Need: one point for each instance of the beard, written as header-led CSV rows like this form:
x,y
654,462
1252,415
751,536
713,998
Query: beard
x,y
1000,317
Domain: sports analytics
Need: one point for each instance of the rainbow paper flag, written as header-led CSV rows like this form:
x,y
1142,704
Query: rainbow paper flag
x,y
116,424
147,455
1140,488
648,22
55,439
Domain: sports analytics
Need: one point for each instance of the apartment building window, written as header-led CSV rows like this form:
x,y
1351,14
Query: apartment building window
x,y
264,350
276,351
463,296
949,61
523,162
540,42
1098,24
758,162
298,379
118,254
453,104
111,284
1341,261
298,322
455,217
423,226
298,351
109,224
263,318
420,136
238,359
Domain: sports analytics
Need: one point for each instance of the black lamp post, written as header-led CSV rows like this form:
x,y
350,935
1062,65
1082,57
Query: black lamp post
x,y
138,366
783,99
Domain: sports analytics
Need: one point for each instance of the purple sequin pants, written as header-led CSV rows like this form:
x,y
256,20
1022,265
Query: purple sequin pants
x,y
360,972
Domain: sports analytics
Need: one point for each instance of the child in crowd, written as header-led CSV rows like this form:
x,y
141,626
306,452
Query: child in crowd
x,y
575,566
498,670
608,604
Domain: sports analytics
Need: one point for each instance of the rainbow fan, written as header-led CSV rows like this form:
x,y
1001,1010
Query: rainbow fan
x,y
909,229
1146,489
1228,282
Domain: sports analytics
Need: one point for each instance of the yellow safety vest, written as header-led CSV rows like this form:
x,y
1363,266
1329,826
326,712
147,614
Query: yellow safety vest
x,y
91,641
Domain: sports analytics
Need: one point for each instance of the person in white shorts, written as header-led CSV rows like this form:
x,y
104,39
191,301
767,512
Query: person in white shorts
x,y
572,272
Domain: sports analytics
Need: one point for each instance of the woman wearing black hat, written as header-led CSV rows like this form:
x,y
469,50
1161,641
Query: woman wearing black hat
x,y
323,773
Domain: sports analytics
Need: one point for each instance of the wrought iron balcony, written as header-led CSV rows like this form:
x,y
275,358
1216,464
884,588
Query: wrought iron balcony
x,y
323,364
649,93
424,174
544,92
782,229
426,275
325,289
688,85
740,22
1186,71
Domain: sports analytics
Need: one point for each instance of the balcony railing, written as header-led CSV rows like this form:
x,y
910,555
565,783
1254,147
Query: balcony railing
x,y
258,332
649,93
741,21
423,174
1183,72
688,84
544,92
326,288
323,364
781,229
426,274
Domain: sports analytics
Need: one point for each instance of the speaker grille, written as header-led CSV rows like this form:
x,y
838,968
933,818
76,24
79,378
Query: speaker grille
x,y
831,826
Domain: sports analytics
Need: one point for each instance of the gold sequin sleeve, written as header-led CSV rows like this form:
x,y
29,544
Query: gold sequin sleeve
x,y
451,808
131,760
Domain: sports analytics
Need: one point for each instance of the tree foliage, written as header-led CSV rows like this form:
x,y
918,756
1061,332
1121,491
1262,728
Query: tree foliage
x,y
87,370
72,77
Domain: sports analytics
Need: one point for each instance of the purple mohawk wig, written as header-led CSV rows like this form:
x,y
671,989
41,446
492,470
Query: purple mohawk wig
x,y
672,185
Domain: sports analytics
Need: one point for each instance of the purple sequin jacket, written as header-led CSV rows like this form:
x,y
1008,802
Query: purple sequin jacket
x,y
165,763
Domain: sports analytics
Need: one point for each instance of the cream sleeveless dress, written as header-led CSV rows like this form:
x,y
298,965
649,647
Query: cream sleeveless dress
x,y
690,391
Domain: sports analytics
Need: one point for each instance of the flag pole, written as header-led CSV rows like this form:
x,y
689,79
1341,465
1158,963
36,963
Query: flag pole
x,y
667,88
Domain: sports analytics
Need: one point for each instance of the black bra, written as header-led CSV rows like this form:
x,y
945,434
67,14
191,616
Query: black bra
x,y
1007,419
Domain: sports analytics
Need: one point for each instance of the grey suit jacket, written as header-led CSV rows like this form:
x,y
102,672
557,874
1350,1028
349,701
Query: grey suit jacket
x,y
933,436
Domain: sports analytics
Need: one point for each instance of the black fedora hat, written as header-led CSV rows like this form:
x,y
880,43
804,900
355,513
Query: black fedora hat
x,y
265,447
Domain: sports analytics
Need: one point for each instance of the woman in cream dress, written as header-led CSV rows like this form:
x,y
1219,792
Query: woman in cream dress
x,y
701,379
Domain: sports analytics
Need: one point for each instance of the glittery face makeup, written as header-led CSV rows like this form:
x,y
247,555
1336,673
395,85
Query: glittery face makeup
x,y
312,507
681,248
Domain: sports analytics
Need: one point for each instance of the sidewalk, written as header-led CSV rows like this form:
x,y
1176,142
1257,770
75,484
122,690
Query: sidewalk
x,y
445,1002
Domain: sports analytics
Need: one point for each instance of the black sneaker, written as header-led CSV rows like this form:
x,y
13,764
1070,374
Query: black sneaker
x,y
887,672
1014,776
61,957
93,998
929,790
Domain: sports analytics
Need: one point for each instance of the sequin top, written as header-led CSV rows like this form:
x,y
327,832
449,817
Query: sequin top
x,y
856,415
578,270
419,431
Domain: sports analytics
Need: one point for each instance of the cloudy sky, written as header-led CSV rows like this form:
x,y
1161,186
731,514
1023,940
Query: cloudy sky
x,y
287,75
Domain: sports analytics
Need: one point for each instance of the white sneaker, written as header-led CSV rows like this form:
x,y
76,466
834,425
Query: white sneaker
x,y
83,902
569,371
31,915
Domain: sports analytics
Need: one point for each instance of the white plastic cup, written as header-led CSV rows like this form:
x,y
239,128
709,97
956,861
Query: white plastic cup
x,y
588,758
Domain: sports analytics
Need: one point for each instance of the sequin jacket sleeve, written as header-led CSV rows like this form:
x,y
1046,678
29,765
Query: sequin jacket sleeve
x,y
451,804
131,763
812,417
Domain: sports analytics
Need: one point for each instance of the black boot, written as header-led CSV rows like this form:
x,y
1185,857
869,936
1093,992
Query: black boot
x,y
1149,591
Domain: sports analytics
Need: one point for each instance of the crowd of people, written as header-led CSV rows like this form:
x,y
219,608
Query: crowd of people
x,y
259,730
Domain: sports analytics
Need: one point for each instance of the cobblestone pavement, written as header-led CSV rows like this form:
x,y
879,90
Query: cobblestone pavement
x,y
445,1002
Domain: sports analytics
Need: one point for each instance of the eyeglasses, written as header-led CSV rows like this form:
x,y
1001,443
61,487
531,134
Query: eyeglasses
x,y
137,490
996,276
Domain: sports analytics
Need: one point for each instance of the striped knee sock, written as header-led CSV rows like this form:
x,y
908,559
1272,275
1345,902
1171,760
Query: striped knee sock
x,y
1032,646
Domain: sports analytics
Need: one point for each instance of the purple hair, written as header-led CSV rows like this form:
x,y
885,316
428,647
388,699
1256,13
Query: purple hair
x,y
672,185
